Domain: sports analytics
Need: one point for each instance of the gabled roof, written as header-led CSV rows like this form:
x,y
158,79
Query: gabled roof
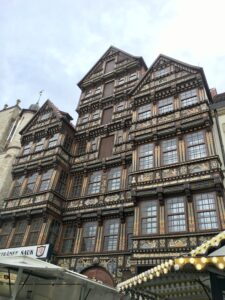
x,y
111,49
58,113
173,60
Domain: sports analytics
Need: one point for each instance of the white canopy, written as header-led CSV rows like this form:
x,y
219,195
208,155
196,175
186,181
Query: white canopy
x,y
39,280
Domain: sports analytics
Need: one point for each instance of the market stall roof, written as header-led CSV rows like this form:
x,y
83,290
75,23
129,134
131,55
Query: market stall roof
x,y
196,261
43,274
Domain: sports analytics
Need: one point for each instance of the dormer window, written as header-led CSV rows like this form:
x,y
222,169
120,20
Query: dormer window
x,y
162,72
98,90
44,116
121,81
109,66
133,76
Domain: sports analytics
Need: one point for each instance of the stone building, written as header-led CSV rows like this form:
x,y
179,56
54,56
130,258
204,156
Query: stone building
x,y
12,120
137,181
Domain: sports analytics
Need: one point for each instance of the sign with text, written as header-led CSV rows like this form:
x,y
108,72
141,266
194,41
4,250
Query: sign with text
x,y
39,251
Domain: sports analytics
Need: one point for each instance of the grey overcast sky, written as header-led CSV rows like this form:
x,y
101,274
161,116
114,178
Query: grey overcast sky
x,y
51,44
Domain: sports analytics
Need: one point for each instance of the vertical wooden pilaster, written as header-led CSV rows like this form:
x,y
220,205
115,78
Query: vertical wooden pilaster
x,y
162,219
190,218
77,243
124,178
221,211
99,239
134,159
25,235
41,234
45,231
10,237
85,184
122,236
136,220
210,143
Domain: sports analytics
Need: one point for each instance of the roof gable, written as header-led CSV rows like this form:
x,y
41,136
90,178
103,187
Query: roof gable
x,y
161,70
110,54
48,110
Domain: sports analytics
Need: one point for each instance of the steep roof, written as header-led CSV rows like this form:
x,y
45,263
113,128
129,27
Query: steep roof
x,y
163,56
110,49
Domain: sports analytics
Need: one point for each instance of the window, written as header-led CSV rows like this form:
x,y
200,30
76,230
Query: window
x,y
109,66
162,72
45,180
31,183
111,235
84,119
61,185
95,183
96,115
169,152
27,148
144,112
165,105
114,179
120,106
176,214
133,76
98,90
81,147
35,228
17,186
188,98
119,138
5,232
53,232
68,143
106,146
196,147
39,145
68,238
146,156
121,81
53,140
17,240
108,89
77,185
149,217
206,211
89,237
88,93
107,115
93,145
44,116
129,231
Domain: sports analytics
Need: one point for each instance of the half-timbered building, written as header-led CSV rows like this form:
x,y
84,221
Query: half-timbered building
x,y
136,182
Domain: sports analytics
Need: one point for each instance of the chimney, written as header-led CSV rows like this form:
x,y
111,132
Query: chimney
x,y
5,106
213,92
18,102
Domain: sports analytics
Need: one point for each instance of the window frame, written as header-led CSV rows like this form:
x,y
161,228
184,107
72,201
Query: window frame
x,y
107,235
146,156
34,233
187,147
153,203
26,147
113,178
16,186
216,210
162,72
39,145
92,182
45,180
187,98
53,141
77,180
129,232
19,234
142,113
169,151
87,236
33,183
171,214
164,108
4,235
67,238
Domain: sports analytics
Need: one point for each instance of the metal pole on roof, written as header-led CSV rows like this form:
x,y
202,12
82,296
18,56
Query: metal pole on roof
x,y
17,283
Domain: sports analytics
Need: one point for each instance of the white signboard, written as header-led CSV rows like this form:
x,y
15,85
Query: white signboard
x,y
39,251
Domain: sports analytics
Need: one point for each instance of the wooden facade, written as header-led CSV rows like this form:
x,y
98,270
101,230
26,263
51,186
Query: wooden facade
x,y
136,182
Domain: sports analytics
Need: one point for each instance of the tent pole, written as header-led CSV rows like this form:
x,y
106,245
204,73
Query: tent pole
x,y
17,283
